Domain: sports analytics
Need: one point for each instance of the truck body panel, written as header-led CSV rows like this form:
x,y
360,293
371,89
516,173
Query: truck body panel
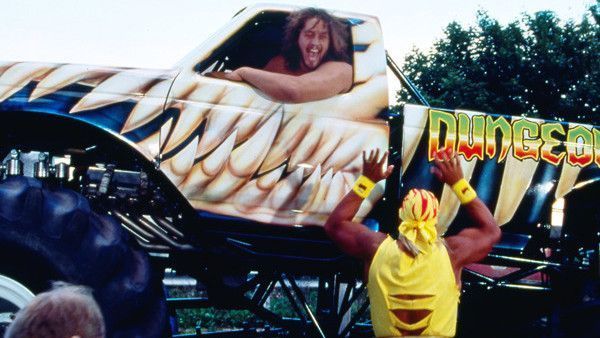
x,y
227,147
102,96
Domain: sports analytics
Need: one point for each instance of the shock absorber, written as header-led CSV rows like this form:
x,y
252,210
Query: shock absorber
x,y
40,168
36,164
14,165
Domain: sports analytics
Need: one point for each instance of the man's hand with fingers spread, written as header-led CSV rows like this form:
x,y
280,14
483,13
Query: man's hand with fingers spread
x,y
447,166
373,166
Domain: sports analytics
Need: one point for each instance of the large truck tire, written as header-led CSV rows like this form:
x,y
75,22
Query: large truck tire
x,y
52,235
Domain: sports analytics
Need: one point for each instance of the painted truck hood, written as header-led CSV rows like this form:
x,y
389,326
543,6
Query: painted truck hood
x,y
103,96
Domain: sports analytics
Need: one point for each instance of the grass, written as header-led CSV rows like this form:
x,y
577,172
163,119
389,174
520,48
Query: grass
x,y
212,319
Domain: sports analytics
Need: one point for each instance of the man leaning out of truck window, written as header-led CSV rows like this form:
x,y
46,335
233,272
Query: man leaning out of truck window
x,y
313,65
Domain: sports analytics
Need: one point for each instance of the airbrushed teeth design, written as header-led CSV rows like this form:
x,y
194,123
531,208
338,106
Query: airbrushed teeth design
x,y
62,77
227,147
19,75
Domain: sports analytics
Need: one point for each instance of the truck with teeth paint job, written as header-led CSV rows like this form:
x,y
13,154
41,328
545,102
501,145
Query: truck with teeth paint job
x,y
111,174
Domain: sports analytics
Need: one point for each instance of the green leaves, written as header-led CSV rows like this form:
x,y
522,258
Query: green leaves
x,y
535,66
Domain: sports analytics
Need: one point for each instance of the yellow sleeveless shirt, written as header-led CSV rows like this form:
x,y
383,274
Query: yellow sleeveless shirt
x,y
423,288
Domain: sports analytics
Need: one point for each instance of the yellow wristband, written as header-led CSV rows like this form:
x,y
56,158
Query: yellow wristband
x,y
464,191
363,186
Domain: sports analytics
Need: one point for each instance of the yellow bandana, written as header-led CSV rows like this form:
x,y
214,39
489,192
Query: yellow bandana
x,y
419,213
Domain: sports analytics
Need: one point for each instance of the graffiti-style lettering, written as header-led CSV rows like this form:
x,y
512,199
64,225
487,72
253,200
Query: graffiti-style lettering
x,y
491,128
597,146
470,136
579,147
526,146
436,119
550,142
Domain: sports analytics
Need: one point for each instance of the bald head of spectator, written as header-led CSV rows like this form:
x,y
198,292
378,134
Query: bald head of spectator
x,y
66,311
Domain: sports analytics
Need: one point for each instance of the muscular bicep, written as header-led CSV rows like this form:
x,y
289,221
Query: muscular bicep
x,y
329,79
469,246
356,240
474,243
326,81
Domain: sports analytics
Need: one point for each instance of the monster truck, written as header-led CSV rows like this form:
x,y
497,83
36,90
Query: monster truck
x,y
111,174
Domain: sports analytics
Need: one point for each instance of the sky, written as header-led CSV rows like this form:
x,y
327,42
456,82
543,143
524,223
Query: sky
x,y
156,34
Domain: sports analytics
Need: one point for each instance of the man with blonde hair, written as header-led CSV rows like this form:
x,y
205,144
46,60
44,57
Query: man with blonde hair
x,y
414,281
66,311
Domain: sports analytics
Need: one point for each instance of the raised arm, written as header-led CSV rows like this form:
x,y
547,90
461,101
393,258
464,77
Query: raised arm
x,y
329,79
353,238
474,243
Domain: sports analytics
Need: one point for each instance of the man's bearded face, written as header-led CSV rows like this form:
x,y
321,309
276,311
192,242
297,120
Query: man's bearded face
x,y
313,42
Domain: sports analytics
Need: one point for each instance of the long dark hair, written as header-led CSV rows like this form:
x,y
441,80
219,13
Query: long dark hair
x,y
338,36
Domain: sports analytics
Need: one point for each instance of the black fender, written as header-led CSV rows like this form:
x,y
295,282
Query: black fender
x,y
576,287
581,225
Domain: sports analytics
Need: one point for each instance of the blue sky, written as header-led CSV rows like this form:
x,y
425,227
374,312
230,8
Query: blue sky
x,y
156,34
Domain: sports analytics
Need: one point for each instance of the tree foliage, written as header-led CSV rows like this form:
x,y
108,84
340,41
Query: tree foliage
x,y
534,66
